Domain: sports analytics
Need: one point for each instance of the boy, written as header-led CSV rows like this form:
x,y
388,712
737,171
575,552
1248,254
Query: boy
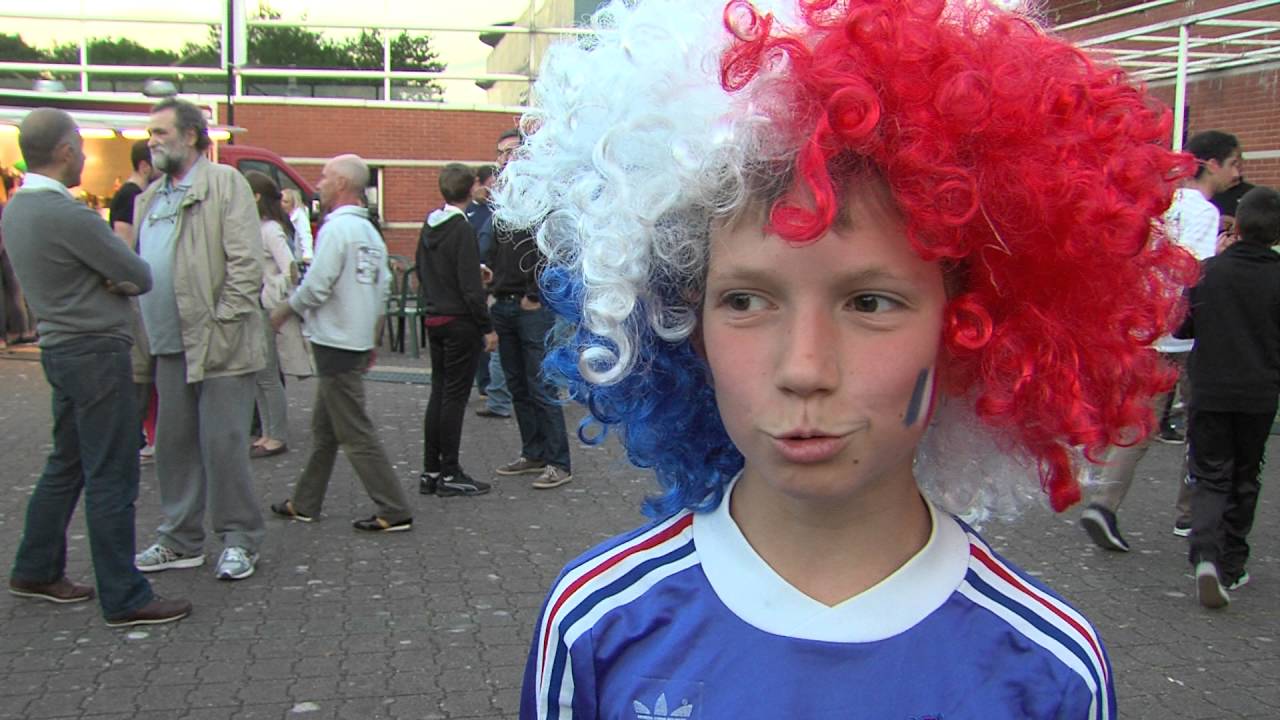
x,y
789,244
1234,371
458,330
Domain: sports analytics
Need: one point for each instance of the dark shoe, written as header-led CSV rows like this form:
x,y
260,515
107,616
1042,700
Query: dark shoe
x,y
156,612
377,524
461,483
1240,581
522,466
1169,436
428,482
486,412
60,591
286,509
1209,588
258,451
1100,523
1182,528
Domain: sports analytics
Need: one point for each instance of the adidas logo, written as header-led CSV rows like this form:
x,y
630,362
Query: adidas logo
x,y
659,711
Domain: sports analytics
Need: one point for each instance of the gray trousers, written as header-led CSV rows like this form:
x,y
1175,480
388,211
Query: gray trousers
x,y
1117,478
202,454
270,391
340,420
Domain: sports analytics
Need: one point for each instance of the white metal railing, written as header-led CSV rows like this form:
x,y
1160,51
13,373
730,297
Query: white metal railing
x,y
1181,46
85,69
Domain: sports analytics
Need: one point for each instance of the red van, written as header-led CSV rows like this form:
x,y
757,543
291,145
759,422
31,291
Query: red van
x,y
247,157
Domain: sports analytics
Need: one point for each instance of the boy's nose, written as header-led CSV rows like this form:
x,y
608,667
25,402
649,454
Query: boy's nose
x,y
807,357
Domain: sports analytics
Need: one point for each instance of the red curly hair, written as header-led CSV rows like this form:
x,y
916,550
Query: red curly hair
x,y
1031,172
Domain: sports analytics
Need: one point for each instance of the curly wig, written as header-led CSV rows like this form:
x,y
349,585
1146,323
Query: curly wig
x,y
1033,173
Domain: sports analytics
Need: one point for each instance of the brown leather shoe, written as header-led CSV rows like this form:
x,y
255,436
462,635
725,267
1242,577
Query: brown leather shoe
x,y
59,591
156,612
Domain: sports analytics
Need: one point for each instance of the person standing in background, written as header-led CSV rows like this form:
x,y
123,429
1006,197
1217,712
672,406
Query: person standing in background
x,y
79,276
303,247
200,233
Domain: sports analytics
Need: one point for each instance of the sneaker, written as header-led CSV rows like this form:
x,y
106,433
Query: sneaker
x,y
461,483
486,412
552,477
1100,523
236,564
522,466
147,454
158,557
1182,528
428,482
1240,581
156,612
285,509
377,524
1169,436
61,591
1209,588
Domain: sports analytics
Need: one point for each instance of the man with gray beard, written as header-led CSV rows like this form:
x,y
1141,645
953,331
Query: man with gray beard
x,y
198,228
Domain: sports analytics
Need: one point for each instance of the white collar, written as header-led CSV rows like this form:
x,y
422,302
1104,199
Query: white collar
x,y
754,592
36,181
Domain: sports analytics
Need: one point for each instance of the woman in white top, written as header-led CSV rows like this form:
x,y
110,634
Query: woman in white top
x,y
301,221
277,275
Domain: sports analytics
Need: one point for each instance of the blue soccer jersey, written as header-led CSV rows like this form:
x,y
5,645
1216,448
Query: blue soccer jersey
x,y
682,619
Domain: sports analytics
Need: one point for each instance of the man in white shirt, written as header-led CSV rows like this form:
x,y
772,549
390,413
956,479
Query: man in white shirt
x,y
340,300
1192,222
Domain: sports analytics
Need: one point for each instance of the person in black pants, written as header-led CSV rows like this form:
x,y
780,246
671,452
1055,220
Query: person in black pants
x,y
1234,371
458,330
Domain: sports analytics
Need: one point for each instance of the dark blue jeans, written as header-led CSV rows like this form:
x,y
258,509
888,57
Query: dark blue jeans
x,y
95,450
522,338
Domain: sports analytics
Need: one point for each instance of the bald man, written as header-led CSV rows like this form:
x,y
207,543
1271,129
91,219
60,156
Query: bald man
x,y
77,274
198,228
340,301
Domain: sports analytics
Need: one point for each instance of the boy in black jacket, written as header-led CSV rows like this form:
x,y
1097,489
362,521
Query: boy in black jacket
x,y
1234,372
458,330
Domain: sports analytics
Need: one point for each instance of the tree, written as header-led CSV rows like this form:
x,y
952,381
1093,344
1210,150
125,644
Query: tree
x,y
268,46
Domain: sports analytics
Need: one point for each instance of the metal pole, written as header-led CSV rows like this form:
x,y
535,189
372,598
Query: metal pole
x,y
228,43
1180,93
84,52
386,65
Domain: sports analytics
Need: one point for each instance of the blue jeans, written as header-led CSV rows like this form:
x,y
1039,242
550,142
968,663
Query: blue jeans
x,y
522,338
499,397
95,449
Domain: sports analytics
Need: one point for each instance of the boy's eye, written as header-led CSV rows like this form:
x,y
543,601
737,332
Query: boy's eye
x,y
743,302
870,303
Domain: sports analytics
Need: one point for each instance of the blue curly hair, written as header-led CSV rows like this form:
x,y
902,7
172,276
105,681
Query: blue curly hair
x,y
665,412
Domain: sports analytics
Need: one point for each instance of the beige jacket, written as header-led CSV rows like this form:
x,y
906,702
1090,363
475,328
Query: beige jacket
x,y
217,273
293,352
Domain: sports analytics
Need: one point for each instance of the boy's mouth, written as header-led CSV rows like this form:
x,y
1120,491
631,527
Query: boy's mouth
x,y
807,447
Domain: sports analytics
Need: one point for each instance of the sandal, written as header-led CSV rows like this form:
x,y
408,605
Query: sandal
x,y
286,509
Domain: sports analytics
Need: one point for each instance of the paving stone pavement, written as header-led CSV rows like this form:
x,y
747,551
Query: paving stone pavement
x,y
436,623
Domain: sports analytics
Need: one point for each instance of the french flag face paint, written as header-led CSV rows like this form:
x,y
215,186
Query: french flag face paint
x,y
920,407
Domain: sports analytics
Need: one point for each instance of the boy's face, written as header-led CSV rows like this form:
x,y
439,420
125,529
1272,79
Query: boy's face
x,y
822,355
1226,173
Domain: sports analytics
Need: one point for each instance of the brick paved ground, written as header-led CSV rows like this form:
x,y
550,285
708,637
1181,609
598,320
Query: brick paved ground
x,y
435,623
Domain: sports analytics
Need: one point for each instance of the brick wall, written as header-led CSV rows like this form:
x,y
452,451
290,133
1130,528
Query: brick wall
x,y
381,133
1246,105
1244,102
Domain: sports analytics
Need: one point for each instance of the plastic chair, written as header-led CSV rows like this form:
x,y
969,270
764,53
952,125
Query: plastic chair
x,y
411,311
395,265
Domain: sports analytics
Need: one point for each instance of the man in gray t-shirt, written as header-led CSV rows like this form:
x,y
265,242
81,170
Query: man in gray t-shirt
x,y
198,227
